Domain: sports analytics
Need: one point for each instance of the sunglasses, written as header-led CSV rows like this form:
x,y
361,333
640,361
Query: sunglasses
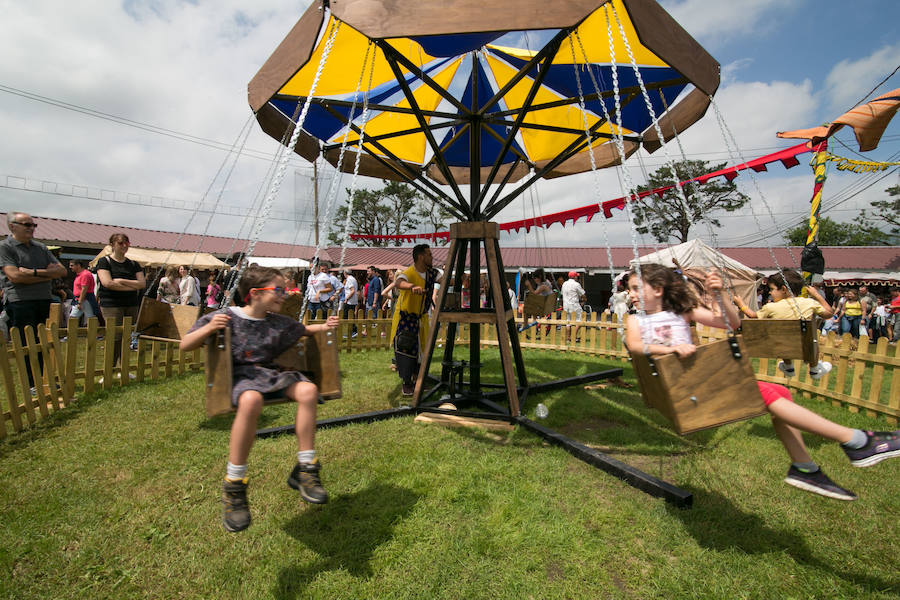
x,y
278,291
28,225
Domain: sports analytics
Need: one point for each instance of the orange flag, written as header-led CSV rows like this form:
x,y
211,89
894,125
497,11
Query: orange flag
x,y
868,121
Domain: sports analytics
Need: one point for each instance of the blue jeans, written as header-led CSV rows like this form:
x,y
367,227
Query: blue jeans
x,y
850,324
371,311
314,308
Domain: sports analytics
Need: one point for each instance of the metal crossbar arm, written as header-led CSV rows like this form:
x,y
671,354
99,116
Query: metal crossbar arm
x,y
403,169
435,148
536,83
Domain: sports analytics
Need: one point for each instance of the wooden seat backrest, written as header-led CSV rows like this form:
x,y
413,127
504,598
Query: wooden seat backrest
x,y
779,338
315,356
538,306
164,321
708,389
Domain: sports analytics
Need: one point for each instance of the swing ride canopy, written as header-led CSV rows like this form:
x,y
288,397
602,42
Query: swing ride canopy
x,y
479,93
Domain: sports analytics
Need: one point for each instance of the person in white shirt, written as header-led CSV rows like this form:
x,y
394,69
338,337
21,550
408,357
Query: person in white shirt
x,y
572,297
188,287
318,289
351,296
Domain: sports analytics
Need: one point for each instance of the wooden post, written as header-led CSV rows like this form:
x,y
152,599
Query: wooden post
x,y
10,387
32,347
90,355
127,328
71,356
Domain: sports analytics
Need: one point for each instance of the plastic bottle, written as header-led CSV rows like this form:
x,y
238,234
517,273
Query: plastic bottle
x,y
541,412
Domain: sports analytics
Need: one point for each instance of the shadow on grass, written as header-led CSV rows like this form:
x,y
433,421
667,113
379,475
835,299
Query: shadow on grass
x,y
765,430
344,533
45,425
717,524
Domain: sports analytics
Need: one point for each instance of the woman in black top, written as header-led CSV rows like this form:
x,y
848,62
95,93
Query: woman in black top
x,y
121,282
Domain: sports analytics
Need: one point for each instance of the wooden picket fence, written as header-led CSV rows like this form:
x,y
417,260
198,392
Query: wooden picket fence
x,y
78,360
81,359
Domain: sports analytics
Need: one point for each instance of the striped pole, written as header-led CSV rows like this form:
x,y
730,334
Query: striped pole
x,y
818,164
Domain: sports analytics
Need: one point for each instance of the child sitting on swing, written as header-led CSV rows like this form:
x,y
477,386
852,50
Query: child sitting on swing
x,y
669,308
787,303
260,335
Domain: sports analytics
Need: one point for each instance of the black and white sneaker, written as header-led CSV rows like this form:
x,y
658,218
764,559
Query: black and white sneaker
x,y
786,369
880,445
819,371
817,483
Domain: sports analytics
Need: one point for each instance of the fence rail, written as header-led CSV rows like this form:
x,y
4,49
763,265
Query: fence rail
x,y
81,359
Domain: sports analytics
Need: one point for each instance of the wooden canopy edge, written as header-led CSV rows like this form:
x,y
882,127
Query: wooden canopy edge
x,y
464,174
663,35
289,57
410,18
688,111
605,156
275,124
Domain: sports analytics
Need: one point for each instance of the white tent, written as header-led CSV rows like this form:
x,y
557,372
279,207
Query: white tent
x,y
157,258
278,262
694,254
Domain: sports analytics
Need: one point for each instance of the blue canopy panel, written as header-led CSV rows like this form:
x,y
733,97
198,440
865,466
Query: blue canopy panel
x,y
324,125
455,44
635,116
457,153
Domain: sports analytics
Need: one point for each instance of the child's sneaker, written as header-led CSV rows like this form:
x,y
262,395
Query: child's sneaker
x,y
817,483
819,371
881,445
237,510
305,479
788,370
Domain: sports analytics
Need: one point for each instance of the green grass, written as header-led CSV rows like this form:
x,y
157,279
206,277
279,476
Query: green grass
x,y
117,497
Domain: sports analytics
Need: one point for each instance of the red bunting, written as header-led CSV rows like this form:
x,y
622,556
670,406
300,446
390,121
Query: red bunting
x,y
787,157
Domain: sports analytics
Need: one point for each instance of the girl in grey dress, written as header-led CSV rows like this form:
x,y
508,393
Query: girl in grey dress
x,y
259,336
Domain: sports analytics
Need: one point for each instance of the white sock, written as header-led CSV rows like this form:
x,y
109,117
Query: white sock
x,y
306,456
858,440
235,472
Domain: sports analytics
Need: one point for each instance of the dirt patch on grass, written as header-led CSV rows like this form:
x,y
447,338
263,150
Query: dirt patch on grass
x,y
575,428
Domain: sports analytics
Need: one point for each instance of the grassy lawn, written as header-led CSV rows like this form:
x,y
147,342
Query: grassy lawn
x,y
117,497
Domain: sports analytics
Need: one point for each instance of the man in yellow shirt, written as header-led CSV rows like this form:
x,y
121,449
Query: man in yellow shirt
x,y
409,328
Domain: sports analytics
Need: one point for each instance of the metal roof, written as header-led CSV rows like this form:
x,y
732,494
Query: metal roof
x,y
590,259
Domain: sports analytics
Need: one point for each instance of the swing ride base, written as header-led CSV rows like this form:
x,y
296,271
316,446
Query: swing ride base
x,y
487,409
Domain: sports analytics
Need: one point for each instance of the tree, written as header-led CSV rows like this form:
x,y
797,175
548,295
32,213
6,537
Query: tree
x,y
670,216
889,211
394,209
832,233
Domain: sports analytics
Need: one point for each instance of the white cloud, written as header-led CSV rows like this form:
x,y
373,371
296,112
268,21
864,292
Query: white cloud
x,y
849,79
714,21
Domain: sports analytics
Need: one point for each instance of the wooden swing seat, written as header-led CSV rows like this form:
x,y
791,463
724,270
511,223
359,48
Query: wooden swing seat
x,y
778,338
708,389
315,356
163,321
538,306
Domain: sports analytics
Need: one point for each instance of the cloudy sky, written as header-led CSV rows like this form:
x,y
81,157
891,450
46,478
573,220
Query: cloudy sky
x,y
123,113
